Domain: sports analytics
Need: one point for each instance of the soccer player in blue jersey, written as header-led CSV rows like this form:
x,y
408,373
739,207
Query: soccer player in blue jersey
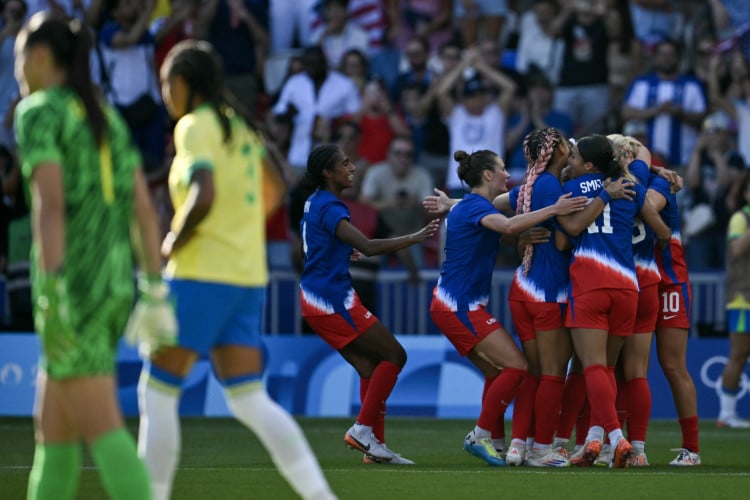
x,y
460,297
673,322
331,306
217,273
604,287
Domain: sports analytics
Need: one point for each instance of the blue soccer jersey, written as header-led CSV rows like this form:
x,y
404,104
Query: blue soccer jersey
x,y
325,283
603,253
671,259
643,236
470,254
547,279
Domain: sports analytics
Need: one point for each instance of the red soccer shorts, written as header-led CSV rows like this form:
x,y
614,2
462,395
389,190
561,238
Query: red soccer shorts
x,y
609,309
465,329
674,301
532,317
338,330
648,309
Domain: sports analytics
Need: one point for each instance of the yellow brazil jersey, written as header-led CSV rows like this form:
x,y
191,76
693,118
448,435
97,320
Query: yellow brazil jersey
x,y
229,245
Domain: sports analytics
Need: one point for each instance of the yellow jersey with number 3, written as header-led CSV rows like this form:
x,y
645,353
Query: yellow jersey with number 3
x,y
229,244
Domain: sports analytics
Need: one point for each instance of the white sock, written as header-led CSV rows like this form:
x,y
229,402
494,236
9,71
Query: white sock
x,y
158,434
518,442
499,444
561,443
284,441
480,433
614,437
529,443
638,445
727,404
541,447
596,432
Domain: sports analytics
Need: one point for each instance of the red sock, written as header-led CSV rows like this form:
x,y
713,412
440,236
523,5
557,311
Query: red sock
x,y
689,428
499,395
381,384
498,430
638,402
547,407
621,403
599,388
573,398
523,408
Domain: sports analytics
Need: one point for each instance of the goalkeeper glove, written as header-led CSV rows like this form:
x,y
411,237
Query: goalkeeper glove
x,y
152,324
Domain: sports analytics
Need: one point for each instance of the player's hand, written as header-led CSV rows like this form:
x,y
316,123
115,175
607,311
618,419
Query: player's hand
x,y
152,324
52,317
438,204
567,205
428,231
356,255
534,236
675,181
621,188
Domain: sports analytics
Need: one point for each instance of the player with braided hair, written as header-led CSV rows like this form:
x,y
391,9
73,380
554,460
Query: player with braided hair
x,y
537,297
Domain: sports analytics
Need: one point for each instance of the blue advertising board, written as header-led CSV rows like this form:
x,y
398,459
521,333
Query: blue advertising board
x,y
308,378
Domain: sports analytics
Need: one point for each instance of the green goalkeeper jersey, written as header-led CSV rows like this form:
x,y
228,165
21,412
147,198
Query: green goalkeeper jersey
x,y
51,127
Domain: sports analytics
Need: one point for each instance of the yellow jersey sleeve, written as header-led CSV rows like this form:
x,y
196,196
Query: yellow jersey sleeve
x,y
196,138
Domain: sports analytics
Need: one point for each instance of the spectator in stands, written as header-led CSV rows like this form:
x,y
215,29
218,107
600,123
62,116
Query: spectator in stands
x,y
238,29
429,19
338,34
127,65
638,130
13,12
582,92
713,167
379,122
538,45
291,21
355,65
370,16
477,120
396,188
738,312
313,100
729,90
533,112
623,52
417,52
174,27
729,15
480,16
654,18
671,103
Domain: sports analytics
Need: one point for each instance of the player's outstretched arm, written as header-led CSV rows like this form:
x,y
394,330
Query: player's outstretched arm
x,y
348,233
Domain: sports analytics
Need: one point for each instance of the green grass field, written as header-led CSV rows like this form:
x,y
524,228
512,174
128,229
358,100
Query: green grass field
x,y
223,461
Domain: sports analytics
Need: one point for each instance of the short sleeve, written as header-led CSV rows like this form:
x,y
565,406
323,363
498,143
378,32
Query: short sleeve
x,y
513,198
38,126
195,139
660,185
478,210
331,214
640,170
737,226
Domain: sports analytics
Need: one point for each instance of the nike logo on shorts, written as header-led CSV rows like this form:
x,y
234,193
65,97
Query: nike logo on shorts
x,y
667,318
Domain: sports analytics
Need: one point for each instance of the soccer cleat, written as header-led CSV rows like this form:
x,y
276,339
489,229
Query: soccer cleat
x,y
516,455
359,438
733,422
622,453
638,459
484,449
685,458
547,458
605,456
586,456
396,460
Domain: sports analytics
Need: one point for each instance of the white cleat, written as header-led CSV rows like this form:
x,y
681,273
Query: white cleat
x,y
360,438
396,460
547,458
605,457
516,455
686,458
733,422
